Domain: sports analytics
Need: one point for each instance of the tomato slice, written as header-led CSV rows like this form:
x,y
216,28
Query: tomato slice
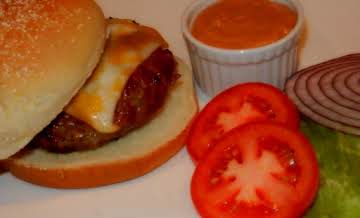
x,y
262,169
236,106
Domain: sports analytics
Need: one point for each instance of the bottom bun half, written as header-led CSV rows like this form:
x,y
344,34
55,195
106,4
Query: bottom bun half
x,y
129,157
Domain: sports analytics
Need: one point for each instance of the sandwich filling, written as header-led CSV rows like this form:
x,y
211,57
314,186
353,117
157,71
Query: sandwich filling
x,y
129,44
125,91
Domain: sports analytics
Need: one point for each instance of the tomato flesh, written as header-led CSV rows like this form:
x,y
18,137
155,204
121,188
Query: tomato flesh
x,y
237,106
261,169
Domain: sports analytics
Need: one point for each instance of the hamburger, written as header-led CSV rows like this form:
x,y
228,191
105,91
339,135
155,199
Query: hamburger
x,y
87,101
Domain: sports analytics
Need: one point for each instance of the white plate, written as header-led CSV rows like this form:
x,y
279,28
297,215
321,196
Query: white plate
x,y
332,30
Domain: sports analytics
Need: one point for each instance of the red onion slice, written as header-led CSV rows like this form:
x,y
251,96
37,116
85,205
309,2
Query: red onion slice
x,y
317,94
313,91
303,94
353,82
326,86
289,88
343,89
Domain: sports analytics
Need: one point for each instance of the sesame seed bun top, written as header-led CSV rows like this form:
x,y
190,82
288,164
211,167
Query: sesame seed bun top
x,y
48,48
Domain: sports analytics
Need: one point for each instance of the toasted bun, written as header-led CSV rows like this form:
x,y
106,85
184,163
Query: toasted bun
x,y
131,156
47,51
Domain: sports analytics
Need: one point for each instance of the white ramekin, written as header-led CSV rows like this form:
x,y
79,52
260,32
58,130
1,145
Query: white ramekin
x,y
216,69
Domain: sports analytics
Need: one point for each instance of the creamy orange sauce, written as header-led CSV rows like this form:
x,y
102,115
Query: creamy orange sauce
x,y
243,24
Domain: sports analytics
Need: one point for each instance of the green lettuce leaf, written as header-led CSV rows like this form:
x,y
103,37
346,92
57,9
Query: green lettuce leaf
x,y
339,160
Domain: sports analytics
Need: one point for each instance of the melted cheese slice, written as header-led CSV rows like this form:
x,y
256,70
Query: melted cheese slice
x,y
128,45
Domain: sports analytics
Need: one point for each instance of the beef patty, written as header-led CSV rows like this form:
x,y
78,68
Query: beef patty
x,y
144,94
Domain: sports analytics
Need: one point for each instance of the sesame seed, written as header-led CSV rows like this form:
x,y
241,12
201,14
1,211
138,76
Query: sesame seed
x,y
26,24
